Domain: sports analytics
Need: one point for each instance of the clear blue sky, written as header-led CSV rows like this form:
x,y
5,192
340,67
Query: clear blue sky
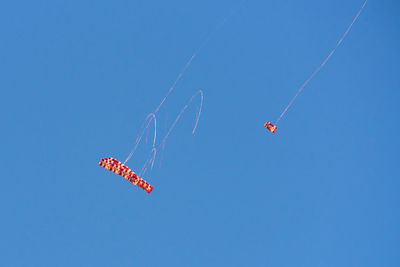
x,y
79,77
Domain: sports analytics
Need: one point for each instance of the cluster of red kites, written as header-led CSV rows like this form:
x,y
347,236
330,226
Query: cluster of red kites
x,y
121,169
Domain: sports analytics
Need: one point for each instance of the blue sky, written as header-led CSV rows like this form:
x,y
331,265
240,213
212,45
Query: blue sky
x,y
78,79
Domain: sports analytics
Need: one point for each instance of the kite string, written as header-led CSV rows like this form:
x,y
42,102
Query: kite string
x,y
152,158
180,77
149,161
145,126
183,111
319,67
202,45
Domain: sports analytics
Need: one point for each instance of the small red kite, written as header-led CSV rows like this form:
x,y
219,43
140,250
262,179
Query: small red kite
x,y
272,128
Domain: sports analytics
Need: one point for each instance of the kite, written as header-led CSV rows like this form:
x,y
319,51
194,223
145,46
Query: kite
x,y
272,127
123,170
119,167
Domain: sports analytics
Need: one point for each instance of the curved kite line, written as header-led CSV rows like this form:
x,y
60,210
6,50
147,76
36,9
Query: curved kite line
x,y
152,116
161,145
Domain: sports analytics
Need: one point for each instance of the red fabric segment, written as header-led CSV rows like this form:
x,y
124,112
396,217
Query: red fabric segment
x,y
123,170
